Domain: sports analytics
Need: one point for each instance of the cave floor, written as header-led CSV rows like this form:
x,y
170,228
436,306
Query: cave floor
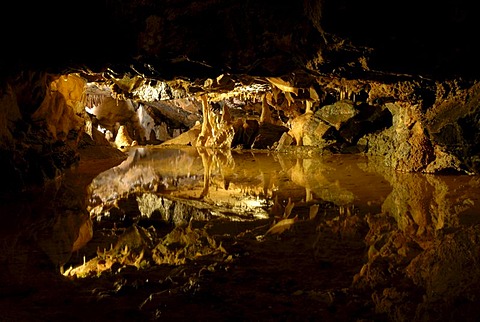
x,y
277,238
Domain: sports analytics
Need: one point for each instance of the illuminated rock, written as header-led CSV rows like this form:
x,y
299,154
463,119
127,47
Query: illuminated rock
x,y
189,137
337,114
63,107
123,139
110,111
309,130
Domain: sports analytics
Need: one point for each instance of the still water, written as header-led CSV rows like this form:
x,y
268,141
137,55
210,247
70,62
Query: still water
x,y
249,183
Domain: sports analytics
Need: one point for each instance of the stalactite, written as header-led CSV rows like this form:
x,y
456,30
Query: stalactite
x,y
313,94
94,100
289,98
283,85
275,92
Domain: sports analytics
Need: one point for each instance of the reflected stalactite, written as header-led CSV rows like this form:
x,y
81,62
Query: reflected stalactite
x,y
417,233
207,170
267,184
299,176
225,163
216,161
308,195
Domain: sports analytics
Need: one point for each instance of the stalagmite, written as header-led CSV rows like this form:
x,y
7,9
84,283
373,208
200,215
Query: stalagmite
x,y
206,131
123,139
266,116
299,124
308,105
226,116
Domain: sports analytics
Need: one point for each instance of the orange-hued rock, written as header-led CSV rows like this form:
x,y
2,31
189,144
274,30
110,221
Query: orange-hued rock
x,y
63,108
123,139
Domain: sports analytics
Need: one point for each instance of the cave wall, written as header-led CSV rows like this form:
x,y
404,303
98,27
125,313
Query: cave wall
x,y
43,121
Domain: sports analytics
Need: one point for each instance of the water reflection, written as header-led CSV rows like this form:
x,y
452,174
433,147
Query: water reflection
x,y
40,230
239,182
250,182
428,203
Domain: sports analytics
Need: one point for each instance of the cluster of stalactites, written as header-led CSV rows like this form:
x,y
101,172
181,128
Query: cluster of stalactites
x,y
218,130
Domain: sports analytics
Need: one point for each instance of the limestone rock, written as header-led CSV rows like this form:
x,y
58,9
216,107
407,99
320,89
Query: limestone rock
x,y
338,113
62,109
123,139
187,138
268,135
285,141
310,131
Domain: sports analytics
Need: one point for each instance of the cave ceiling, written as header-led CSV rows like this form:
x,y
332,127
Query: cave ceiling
x,y
191,39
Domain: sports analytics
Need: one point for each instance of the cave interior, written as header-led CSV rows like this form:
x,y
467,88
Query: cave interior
x,y
239,160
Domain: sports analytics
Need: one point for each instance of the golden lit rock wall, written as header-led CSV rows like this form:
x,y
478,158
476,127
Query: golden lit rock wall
x,y
42,121
63,108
